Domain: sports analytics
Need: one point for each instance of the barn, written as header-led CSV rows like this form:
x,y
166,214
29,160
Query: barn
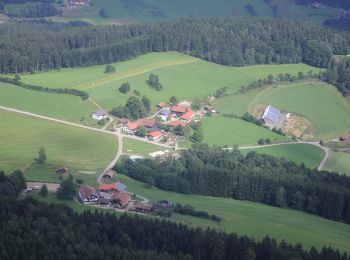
x,y
271,115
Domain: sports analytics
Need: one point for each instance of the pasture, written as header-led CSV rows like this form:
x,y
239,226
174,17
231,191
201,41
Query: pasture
x,y
321,104
338,162
66,146
254,219
64,107
220,130
181,75
307,154
135,147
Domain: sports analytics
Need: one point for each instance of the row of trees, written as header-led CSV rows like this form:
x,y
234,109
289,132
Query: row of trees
x,y
36,230
216,172
230,41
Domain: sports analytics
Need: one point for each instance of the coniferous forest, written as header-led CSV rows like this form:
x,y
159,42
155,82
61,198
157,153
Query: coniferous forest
x,y
36,230
255,177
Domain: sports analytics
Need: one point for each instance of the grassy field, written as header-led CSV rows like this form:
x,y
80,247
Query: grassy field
x,y
65,107
182,76
135,147
308,154
338,162
255,219
326,109
78,149
220,130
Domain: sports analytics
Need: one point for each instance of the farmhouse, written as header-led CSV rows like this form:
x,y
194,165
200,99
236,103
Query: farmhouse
x,y
155,135
144,207
121,199
188,116
345,139
175,123
179,110
88,195
99,114
123,122
149,124
271,115
161,105
113,187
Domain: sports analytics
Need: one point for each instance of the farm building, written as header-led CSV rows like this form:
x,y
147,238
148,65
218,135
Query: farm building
x,y
164,114
175,123
179,110
62,170
113,187
109,175
155,135
123,122
99,114
188,116
88,195
163,204
149,124
345,139
144,207
122,199
161,105
271,115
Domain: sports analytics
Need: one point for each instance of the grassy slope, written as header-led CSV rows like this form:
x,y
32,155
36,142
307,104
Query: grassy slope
x,y
256,219
320,103
181,75
221,131
64,107
75,148
135,147
339,162
308,154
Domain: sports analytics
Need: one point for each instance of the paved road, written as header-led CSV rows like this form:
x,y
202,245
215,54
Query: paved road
x,y
50,186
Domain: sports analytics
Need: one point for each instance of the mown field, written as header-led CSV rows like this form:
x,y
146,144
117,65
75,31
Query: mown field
x,y
135,147
182,76
64,107
255,219
220,130
84,152
119,11
307,154
338,162
321,104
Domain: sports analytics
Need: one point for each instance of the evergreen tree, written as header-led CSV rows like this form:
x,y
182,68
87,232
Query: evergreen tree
x,y
43,191
41,156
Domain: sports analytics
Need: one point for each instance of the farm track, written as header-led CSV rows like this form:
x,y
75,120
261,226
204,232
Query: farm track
x,y
134,72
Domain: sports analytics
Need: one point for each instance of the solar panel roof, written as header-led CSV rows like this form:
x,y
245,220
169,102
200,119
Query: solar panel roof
x,y
272,114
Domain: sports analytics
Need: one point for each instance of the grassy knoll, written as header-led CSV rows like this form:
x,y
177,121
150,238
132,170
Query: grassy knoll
x,y
182,76
308,154
135,147
78,149
65,107
220,130
320,103
338,162
255,219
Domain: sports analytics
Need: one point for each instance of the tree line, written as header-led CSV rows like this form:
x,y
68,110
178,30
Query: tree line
x,y
339,74
256,177
11,185
37,230
233,41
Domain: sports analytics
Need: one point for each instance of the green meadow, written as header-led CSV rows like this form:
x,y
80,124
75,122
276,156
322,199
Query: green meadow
x,y
338,162
66,146
254,219
220,130
64,107
308,154
321,104
181,75
135,147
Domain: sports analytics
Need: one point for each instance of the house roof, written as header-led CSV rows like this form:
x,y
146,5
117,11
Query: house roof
x,y
155,134
109,173
142,122
113,186
345,139
100,112
87,191
123,198
133,125
123,120
177,122
179,109
272,114
188,115
165,112
161,104
144,206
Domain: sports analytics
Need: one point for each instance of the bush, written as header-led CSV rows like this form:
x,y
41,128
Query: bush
x,y
103,13
109,69
43,191
261,141
124,88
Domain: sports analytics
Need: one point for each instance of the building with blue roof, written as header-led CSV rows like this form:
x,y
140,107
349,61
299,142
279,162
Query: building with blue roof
x,y
271,115
164,114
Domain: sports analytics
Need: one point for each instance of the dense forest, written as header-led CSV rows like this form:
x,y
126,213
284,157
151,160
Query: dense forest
x,y
28,47
33,230
339,74
255,177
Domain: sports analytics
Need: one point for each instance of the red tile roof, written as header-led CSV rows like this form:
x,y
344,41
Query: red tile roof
x,y
155,134
112,186
188,115
123,198
142,122
179,109
177,122
161,104
133,125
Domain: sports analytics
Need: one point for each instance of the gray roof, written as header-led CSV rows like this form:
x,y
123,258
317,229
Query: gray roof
x,y
272,114
165,112
100,112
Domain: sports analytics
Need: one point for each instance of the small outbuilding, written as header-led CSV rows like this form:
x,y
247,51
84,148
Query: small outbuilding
x,y
109,175
62,170
99,114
